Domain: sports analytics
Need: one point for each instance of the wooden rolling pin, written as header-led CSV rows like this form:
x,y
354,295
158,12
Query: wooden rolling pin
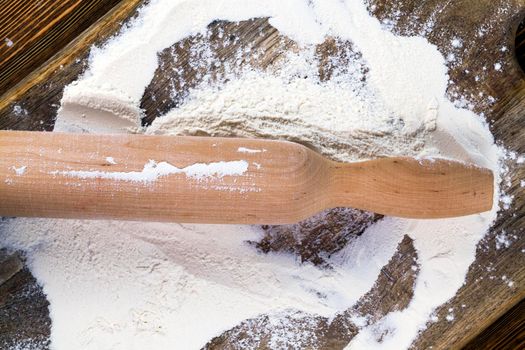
x,y
220,180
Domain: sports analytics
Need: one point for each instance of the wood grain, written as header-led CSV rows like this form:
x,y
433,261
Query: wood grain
x,y
46,83
485,295
520,44
507,333
24,314
282,182
31,32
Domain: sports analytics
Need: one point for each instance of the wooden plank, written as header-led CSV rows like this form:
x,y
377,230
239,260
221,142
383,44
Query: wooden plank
x,y
507,333
40,91
486,295
33,31
24,314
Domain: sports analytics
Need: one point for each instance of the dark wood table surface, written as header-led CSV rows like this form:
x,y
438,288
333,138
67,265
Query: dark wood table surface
x,y
36,37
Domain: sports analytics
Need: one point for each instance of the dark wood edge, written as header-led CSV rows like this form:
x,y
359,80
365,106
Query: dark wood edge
x,y
506,333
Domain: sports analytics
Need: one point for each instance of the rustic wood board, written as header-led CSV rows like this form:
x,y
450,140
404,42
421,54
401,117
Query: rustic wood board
x,y
33,31
508,332
485,27
24,315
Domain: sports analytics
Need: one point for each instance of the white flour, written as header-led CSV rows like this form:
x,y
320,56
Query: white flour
x,y
329,116
153,170
120,285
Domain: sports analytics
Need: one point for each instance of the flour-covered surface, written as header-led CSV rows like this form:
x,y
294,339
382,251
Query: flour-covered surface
x,y
396,276
154,170
24,307
393,287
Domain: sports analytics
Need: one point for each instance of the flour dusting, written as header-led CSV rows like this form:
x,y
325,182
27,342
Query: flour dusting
x,y
157,286
20,170
111,160
154,170
249,150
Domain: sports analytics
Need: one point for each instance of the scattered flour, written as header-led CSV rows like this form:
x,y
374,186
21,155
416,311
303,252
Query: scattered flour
x,y
283,104
503,241
153,170
506,200
156,286
19,111
20,170
456,43
249,150
111,160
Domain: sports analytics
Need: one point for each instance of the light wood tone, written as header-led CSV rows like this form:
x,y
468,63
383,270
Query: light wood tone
x,y
285,182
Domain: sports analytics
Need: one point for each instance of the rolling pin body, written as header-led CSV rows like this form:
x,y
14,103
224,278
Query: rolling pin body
x,y
220,180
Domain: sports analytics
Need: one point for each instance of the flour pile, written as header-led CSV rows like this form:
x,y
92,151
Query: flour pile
x,y
156,286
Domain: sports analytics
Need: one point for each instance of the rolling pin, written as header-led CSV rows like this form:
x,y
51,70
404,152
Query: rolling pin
x,y
220,180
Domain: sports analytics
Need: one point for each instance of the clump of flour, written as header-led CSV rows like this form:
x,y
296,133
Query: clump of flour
x,y
163,285
339,117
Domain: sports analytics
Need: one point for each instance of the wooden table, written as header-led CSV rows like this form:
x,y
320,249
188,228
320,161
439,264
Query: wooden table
x,y
45,44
